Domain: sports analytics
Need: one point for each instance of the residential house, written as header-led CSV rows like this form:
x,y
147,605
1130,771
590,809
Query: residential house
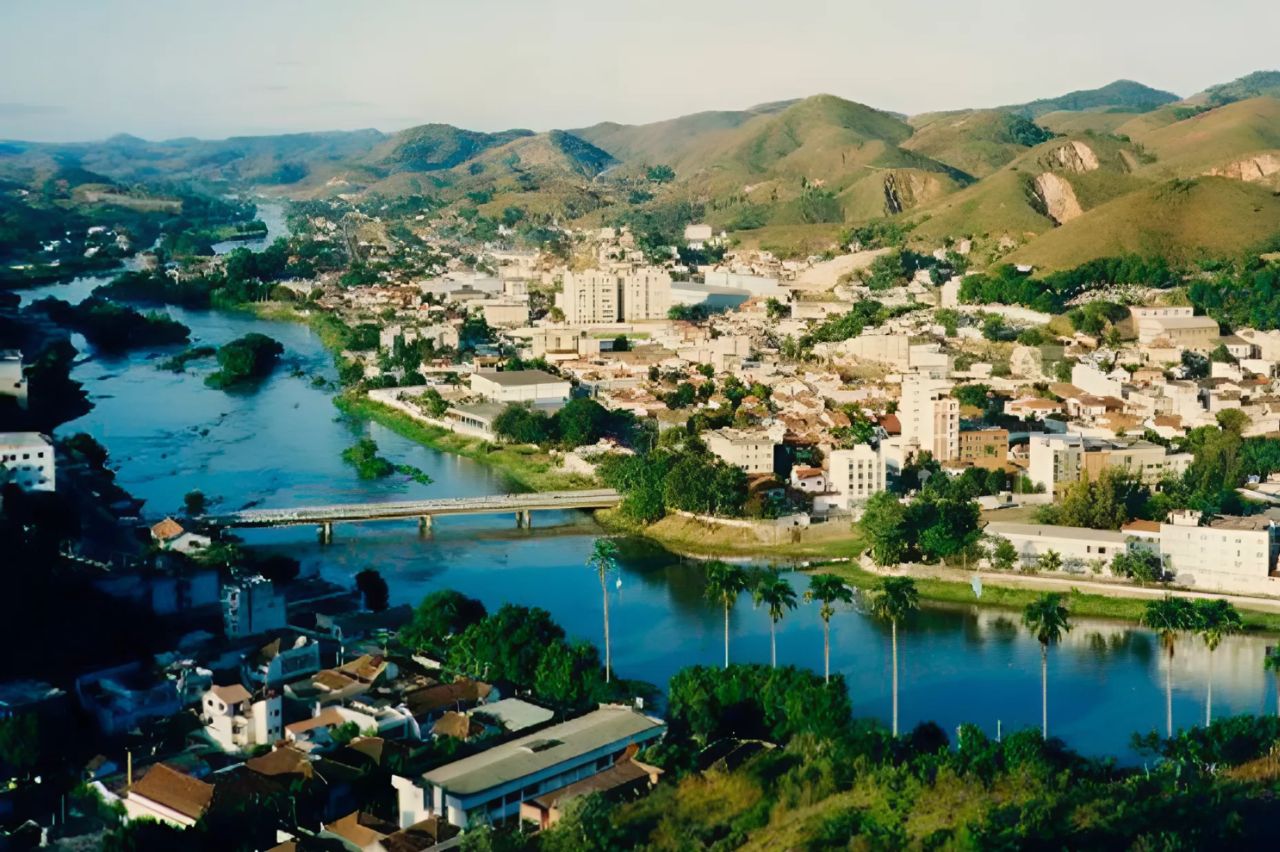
x,y
237,720
167,795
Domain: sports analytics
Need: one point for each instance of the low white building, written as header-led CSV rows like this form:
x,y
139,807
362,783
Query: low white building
x,y
238,721
12,381
751,450
1078,546
26,458
536,387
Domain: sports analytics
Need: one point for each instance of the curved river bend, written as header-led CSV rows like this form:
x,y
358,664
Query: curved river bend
x,y
280,445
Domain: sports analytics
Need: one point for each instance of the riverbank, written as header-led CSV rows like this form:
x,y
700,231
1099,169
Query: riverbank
x,y
1015,591
527,467
706,539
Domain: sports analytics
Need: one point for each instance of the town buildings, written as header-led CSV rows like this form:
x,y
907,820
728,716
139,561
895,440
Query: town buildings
x,y
27,460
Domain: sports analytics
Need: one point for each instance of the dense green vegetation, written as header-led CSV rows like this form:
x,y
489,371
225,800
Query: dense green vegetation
x,y
1005,285
245,361
1242,295
363,456
114,327
675,475
582,421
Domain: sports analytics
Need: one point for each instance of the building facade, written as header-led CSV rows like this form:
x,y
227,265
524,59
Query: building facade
x,y
26,459
751,450
930,417
535,387
856,474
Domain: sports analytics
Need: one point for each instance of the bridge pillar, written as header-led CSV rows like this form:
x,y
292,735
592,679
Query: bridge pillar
x,y
326,533
424,525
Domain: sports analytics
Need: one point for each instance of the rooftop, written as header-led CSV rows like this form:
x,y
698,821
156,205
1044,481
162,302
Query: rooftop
x,y
1051,531
518,378
175,790
1251,523
542,750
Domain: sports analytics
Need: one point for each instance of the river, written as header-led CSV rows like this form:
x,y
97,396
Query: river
x,y
280,445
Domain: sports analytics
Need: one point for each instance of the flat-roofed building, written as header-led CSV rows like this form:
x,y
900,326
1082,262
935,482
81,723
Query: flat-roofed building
x,y
749,449
604,296
1228,554
1056,461
491,786
985,448
536,387
12,381
1176,325
1076,545
857,473
26,459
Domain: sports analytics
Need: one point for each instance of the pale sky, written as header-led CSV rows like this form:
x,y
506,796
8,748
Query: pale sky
x,y
86,69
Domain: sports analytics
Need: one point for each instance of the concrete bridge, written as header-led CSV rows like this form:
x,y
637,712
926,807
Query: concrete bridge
x,y
324,517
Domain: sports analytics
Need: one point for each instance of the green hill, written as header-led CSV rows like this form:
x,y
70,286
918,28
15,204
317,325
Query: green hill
x,y
1255,85
1215,139
1122,95
436,147
1181,220
976,143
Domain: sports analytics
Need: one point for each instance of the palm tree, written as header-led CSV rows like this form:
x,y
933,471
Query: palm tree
x,y
1168,617
1048,619
1272,664
892,600
775,593
724,583
604,558
1215,618
830,590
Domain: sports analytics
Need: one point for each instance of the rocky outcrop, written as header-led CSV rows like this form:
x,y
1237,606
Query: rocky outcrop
x,y
1075,157
906,188
1057,198
1253,169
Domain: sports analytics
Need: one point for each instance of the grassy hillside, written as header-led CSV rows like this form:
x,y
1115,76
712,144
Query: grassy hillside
x,y
435,147
1122,95
1255,85
1215,138
1182,220
662,142
1095,121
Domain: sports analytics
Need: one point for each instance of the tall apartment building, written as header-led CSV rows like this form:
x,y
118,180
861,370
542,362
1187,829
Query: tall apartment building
x,y
1229,554
930,417
856,474
602,296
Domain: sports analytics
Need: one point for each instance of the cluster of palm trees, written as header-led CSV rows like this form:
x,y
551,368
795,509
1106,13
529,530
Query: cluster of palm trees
x,y
1212,619
894,598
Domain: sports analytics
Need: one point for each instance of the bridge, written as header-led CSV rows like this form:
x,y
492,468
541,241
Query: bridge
x,y
324,517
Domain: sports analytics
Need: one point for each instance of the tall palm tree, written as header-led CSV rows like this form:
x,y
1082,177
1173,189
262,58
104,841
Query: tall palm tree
x,y
774,592
891,601
724,583
1048,619
829,590
604,558
1168,617
1272,664
1215,619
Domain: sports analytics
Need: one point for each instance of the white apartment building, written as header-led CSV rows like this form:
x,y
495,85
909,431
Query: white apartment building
x,y
252,606
12,382
930,418
857,473
1056,461
1229,554
751,450
536,387
601,296
26,458
237,721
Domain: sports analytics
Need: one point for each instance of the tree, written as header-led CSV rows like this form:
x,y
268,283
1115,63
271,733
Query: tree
x,y
884,524
1168,617
1233,420
604,558
373,588
892,601
1215,619
1050,560
1272,664
725,583
1047,619
194,503
1141,566
440,616
777,595
1004,555
829,590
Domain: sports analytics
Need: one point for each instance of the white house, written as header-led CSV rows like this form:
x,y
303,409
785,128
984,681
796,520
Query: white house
x,y
536,387
238,721
26,458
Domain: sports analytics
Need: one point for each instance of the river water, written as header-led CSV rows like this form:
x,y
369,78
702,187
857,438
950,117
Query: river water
x,y
280,445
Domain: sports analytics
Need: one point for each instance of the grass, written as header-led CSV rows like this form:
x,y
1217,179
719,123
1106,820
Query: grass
x,y
527,467
699,538
1080,604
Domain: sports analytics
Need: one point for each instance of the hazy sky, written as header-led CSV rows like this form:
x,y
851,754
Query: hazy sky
x,y
84,69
